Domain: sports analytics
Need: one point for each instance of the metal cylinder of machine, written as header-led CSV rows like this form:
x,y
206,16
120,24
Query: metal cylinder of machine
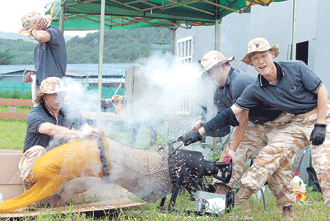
x,y
143,172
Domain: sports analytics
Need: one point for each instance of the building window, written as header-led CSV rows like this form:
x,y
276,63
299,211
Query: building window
x,y
185,50
185,55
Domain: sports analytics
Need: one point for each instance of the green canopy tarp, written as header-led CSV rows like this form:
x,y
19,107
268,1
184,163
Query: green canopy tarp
x,y
85,14
117,14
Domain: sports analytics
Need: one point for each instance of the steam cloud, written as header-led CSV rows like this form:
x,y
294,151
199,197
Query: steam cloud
x,y
163,90
163,85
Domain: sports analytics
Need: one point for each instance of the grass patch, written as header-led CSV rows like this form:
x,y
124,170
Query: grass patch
x,y
12,137
143,136
19,109
12,134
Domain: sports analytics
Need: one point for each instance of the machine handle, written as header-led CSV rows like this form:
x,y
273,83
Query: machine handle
x,y
226,170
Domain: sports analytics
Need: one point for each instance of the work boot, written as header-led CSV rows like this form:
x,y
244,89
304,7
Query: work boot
x,y
222,188
242,197
288,213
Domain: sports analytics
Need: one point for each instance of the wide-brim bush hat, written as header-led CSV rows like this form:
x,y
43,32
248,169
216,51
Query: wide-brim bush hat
x,y
212,58
28,21
259,45
50,85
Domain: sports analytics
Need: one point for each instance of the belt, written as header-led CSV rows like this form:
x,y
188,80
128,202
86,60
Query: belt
x,y
103,158
308,114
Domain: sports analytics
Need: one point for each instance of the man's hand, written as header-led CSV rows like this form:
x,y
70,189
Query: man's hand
x,y
199,124
41,24
39,32
232,154
318,134
191,137
28,77
88,132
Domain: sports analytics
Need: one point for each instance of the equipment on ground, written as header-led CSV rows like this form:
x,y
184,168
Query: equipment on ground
x,y
188,169
312,174
158,172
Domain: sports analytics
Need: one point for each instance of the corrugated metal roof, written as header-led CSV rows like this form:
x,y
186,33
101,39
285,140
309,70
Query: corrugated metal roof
x,y
87,69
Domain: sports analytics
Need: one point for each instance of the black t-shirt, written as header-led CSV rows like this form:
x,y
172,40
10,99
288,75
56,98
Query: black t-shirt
x,y
39,115
50,58
293,93
236,83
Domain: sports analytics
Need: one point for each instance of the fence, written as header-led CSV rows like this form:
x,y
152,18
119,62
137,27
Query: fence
x,y
13,103
11,86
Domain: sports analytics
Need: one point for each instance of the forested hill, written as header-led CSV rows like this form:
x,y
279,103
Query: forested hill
x,y
120,46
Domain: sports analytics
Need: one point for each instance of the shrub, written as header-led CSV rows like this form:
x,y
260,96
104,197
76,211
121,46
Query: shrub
x,y
15,94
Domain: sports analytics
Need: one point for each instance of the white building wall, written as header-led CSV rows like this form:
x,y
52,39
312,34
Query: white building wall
x,y
273,23
322,42
203,38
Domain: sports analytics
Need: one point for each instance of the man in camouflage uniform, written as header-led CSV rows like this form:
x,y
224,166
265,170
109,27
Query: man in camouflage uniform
x,y
263,122
293,88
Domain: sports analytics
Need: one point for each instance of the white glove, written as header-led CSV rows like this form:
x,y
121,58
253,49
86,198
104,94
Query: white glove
x,y
199,124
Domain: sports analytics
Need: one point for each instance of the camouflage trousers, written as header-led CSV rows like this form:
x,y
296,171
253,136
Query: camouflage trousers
x,y
274,162
28,160
256,137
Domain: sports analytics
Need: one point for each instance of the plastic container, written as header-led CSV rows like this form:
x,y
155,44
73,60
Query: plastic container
x,y
299,187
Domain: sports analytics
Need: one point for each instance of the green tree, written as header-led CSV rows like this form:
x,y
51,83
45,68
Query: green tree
x,y
6,57
120,46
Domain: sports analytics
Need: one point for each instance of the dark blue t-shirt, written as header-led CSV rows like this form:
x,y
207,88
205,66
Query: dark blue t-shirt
x,y
293,93
226,96
50,58
39,115
236,83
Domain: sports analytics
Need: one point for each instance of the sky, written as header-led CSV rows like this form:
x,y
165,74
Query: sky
x,y
11,13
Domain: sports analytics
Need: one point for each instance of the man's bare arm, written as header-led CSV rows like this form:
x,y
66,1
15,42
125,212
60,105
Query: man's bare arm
x,y
322,103
60,131
38,31
243,118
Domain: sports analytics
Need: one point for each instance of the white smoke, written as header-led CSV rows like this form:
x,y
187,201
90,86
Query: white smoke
x,y
78,97
162,85
164,89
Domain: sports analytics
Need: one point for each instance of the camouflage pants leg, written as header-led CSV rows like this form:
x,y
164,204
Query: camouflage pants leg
x,y
254,139
28,160
321,164
274,164
320,154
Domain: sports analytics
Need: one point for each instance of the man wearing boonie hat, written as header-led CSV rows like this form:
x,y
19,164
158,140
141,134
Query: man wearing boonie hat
x,y
293,88
263,122
49,120
50,57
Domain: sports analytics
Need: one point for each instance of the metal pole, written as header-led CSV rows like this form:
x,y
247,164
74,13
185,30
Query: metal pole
x,y
173,40
217,27
294,31
217,34
62,18
101,58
